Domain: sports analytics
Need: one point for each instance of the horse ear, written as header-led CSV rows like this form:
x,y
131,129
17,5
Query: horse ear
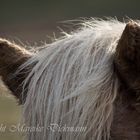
x,y
11,57
127,57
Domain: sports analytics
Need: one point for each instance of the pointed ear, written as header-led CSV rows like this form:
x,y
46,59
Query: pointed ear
x,y
11,57
127,57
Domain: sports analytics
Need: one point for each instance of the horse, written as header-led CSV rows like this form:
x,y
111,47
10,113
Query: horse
x,y
89,78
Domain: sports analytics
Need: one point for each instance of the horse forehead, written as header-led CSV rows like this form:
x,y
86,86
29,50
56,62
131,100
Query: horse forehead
x,y
126,122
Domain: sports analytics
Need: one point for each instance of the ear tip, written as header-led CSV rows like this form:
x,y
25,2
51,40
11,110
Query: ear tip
x,y
132,26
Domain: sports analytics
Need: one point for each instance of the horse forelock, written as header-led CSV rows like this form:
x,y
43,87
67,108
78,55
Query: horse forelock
x,y
73,83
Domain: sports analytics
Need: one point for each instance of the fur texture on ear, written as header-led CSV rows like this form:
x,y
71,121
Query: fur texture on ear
x,y
127,57
11,57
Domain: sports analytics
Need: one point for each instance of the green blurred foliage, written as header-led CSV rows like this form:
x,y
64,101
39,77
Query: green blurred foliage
x,y
9,115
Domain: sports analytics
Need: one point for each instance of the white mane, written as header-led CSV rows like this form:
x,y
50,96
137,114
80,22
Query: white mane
x,y
73,84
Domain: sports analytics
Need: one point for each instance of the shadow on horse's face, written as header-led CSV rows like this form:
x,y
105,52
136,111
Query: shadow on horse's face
x,y
126,123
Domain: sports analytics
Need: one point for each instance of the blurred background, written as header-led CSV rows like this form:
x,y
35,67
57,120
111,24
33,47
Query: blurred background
x,y
32,22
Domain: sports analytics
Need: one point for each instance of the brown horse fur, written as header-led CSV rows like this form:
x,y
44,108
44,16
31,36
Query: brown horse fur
x,y
128,56
11,57
126,123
